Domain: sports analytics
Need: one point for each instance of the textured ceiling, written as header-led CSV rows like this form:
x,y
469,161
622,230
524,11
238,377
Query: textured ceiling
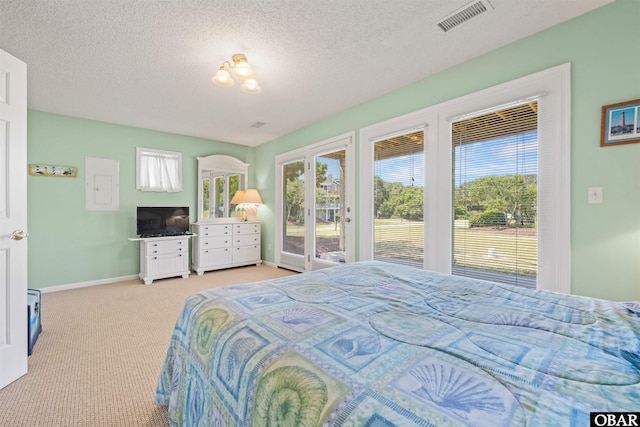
x,y
149,63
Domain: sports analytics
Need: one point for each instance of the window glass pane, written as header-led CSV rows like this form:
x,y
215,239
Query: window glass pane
x,y
398,199
218,197
234,186
330,224
293,209
206,197
495,170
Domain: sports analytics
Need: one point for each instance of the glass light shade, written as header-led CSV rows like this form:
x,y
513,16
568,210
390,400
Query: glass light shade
x,y
243,70
223,78
251,86
251,196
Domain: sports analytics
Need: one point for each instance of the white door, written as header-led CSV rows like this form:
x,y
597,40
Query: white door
x,y
13,218
314,196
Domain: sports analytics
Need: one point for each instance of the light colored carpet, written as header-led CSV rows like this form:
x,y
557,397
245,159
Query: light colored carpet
x,y
99,356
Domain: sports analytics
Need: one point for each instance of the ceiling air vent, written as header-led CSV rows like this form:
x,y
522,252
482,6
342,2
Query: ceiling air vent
x,y
258,124
463,15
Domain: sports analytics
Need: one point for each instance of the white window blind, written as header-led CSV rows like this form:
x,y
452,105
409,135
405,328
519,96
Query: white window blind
x,y
158,170
495,195
399,199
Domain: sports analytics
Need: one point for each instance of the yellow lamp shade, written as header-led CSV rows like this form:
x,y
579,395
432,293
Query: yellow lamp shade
x,y
251,196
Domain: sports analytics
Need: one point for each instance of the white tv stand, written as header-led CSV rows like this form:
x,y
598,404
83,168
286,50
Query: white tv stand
x,y
162,257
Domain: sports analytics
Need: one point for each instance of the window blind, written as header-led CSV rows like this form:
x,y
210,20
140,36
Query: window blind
x,y
495,202
399,199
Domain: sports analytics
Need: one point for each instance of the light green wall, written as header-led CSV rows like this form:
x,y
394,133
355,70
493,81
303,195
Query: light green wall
x,y
68,244
603,49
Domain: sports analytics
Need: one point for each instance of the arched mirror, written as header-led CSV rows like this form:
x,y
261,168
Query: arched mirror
x,y
219,178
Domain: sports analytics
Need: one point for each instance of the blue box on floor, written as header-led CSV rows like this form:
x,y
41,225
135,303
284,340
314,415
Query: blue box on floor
x,y
33,318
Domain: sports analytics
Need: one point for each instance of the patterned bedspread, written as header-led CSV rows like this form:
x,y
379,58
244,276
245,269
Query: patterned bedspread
x,y
376,344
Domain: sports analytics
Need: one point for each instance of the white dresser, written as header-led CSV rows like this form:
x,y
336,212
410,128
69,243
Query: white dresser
x,y
162,257
224,244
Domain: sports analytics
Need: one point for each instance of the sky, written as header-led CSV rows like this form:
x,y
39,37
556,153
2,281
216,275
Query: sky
x,y
502,156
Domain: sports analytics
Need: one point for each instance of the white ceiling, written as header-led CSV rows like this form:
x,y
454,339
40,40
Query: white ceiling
x,y
149,63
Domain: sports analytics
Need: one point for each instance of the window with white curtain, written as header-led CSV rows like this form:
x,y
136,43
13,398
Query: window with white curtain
x,y
158,170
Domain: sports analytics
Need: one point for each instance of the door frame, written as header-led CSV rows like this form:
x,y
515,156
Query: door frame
x,y
308,262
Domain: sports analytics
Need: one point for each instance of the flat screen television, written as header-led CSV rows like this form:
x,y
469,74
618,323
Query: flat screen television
x,y
155,221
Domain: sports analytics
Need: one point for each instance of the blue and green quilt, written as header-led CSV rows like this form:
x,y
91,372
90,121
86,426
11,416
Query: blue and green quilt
x,y
378,344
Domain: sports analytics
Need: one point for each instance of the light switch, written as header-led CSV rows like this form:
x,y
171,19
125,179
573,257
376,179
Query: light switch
x,y
595,195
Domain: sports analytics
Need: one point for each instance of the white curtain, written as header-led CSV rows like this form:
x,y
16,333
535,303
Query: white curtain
x,y
159,171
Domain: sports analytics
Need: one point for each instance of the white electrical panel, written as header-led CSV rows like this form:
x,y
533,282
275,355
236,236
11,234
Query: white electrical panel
x,y
102,184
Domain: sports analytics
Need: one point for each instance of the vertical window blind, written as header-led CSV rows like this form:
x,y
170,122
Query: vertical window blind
x,y
399,199
495,195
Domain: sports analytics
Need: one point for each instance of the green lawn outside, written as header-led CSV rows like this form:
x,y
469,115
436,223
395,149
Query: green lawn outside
x,y
473,247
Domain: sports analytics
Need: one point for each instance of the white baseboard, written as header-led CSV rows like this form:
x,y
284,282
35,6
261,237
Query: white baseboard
x,y
86,284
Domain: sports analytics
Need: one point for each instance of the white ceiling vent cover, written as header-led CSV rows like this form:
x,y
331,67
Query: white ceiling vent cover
x,y
463,15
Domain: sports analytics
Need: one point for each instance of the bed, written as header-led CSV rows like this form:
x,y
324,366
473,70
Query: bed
x,y
378,344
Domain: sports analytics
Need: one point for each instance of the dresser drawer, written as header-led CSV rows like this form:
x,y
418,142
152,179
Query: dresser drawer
x,y
214,230
246,254
214,242
246,228
167,264
214,257
166,247
246,239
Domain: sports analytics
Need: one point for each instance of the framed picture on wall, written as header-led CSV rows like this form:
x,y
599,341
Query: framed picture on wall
x,y
53,170
620,123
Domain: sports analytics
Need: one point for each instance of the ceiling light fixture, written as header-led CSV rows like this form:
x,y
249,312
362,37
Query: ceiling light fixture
x,y
241,69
